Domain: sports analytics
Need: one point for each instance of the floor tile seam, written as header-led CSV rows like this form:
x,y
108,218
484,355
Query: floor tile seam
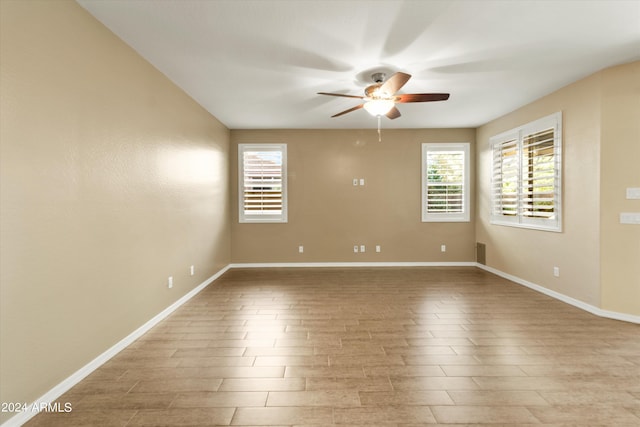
x,y
130,390
235,411
175,397
444,421
128,422
556,405
564,408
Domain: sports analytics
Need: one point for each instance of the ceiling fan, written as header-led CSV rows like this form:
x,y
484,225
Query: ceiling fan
x,y
380,98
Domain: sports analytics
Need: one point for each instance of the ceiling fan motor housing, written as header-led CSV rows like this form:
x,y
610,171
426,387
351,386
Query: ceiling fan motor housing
x,y
372,91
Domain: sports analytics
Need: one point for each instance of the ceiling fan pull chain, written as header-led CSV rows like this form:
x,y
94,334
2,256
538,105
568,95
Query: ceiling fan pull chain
x,y
379,133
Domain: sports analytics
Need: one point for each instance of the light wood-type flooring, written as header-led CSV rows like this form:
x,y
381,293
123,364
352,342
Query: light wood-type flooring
x,y
367,347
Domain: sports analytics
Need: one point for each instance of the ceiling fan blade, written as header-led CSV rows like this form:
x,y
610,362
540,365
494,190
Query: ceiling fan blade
x,y
357,107
394,113
422,97
341,94
394,83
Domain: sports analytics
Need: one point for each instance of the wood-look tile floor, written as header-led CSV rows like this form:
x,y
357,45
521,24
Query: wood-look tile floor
x,y
367,347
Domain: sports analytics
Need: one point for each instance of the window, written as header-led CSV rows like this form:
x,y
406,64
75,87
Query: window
x,y
526,182
445,182
262,186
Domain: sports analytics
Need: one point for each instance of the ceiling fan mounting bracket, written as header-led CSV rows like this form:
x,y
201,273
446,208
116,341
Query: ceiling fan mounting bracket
x,y
378,77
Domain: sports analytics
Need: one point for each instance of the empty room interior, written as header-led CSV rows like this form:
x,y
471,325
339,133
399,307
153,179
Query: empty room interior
x,y
313,213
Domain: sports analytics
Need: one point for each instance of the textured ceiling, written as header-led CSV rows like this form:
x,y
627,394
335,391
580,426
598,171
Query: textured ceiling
x,y
259,63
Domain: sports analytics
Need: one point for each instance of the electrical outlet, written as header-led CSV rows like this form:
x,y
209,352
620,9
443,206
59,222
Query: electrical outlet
x,y
300,249
170,282
443,248
355,249
192,270
362,248
355,181
378,250
556,271
361,181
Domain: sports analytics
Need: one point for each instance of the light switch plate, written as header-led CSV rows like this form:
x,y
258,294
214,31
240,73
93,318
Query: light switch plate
x,y
630,218
633,193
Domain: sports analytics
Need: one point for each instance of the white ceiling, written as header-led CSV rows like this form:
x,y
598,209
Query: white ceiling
x,y
259,63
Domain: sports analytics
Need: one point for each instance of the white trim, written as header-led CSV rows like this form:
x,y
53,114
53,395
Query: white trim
x,y
80,374
564,298
465,215
352,264
554,224
243,217
57,391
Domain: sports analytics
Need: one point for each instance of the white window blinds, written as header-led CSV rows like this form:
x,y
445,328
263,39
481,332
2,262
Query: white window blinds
x,y
262,182
526,180
445,182
505,177
539,175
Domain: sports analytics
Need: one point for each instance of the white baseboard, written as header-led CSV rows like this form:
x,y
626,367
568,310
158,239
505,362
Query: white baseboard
x,y
561,297
564,298
351,264
80,374
57,391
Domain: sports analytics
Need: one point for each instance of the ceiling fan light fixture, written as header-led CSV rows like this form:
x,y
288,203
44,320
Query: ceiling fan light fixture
x,y
380,98
378,107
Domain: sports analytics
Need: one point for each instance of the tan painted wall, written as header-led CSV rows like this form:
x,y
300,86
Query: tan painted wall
x,y
328,215
532,254
598,257
112,180
620,166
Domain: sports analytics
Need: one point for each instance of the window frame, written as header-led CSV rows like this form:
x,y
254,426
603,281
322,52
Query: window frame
x,y
465,215
519,135
243,217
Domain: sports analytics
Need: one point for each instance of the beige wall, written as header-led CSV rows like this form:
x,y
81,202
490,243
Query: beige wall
x,y
112,180
600,122
620,166
328,215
